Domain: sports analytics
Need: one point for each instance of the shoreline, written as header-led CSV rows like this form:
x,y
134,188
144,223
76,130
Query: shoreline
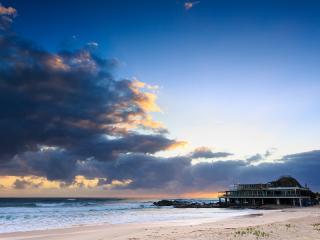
x,y
281,224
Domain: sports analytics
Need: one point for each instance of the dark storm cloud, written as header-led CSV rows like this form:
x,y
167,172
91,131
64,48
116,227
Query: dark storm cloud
x,y
64,165
58,109
68,100
178,174
204,152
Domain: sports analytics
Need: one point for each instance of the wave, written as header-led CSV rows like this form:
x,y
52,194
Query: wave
x,y
14,205
54,202
38,214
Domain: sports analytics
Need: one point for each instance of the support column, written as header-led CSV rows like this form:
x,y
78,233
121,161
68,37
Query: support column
x,y
294,202
262,201
300,202
253,202
278,201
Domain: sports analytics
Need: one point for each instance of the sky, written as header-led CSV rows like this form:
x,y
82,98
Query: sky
x,y
154,98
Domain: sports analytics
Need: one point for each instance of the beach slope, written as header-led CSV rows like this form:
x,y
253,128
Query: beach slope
x,y
293,224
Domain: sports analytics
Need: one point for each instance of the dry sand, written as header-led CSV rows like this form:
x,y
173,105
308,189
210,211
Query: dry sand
x,y
293,224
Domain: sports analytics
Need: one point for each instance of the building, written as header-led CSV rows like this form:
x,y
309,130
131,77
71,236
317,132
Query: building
x,y
284,191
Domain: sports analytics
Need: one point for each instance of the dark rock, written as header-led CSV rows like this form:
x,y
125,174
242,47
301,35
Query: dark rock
x,y
185,204
163,203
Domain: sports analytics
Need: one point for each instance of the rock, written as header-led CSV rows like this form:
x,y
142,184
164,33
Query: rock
x,y
185,204
163,203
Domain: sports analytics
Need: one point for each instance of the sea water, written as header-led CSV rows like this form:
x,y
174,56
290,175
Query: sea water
x,y
29,214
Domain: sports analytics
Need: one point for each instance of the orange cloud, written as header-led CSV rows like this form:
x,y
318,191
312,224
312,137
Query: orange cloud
x,y
10,11
57,63
9,182
82,181
177,144
30,182
145,99
117,183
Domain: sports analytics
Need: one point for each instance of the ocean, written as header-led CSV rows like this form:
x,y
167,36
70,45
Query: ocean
x,y
28,214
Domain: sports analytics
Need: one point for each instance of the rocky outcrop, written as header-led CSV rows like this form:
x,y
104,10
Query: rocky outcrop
x,y
185,204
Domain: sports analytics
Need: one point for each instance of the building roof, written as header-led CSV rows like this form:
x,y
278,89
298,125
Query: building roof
x,y
286,181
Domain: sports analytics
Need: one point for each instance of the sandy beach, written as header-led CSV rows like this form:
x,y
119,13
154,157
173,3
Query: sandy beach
x,y
291,223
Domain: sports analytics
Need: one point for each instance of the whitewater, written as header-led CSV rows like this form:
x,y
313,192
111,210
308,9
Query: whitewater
x,y
19,215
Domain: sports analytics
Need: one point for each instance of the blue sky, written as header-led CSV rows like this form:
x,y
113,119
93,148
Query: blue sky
x,y
234,76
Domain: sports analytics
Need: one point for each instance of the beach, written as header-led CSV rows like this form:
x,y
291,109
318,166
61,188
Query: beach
x,y
291,223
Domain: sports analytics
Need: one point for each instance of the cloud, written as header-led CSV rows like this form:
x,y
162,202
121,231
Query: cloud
x,y
92,44
259,157
204,152
6,16
189,5
179,175
66,100
59,109
10,11
23,184
63,115
255,158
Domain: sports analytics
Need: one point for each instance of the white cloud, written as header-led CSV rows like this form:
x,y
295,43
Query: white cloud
x,y
189,5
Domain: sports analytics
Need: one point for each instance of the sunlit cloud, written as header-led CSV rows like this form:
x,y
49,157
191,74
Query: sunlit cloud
x,y
178,144
117,184
146,100
6,16
10,11
57,63
28,182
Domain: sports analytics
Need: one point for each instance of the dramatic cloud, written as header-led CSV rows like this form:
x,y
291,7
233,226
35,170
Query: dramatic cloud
x,y
178,173
58,109
66,122
204,152
70,100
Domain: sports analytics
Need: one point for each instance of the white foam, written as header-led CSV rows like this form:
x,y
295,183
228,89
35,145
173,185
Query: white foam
x,y
52,216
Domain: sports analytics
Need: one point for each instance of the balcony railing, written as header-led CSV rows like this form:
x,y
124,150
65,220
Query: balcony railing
x,y
260,194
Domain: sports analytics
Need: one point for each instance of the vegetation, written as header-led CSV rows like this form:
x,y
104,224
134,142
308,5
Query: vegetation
x,y
316,226
251,231
289,225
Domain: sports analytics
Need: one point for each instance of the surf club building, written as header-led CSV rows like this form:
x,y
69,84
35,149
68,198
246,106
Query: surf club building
x,y
284,191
